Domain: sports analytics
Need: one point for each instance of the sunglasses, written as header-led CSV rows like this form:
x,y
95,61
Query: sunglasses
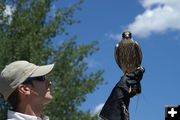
x,y
30,79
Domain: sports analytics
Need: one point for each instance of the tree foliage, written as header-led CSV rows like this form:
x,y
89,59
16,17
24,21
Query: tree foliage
x,y
29,34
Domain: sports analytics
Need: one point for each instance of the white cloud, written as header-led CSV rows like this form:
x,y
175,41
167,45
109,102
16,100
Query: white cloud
x,y
159,16
148,3
8,12
114,36
98,108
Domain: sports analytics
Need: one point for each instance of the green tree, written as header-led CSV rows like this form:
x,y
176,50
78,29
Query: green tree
x,y
29,34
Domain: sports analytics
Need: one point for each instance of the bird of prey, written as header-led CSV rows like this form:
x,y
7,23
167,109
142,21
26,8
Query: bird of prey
x,y
128,54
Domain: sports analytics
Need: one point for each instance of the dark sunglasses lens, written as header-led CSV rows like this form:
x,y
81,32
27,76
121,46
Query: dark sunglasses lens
x,y
30,79
41,78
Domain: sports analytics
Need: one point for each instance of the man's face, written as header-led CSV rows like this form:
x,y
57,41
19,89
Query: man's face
x,y
41,91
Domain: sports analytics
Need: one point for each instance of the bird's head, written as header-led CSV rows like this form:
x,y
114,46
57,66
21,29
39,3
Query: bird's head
x,y
126,35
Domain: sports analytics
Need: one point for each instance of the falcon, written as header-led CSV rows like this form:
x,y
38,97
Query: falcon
x,y
128,54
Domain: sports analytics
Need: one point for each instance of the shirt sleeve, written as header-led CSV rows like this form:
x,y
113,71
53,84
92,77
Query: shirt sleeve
x,y
116,106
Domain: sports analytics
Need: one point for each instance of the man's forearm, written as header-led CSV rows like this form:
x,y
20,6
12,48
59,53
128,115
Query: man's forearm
x,y
116,106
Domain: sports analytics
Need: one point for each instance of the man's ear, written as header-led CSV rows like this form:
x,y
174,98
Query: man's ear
x,y
23,89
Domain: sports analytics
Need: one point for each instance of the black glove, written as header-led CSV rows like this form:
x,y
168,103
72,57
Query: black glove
x,y
137,74
116,106
130,82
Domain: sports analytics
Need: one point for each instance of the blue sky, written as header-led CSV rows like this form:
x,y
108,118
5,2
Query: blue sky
x,y
155,25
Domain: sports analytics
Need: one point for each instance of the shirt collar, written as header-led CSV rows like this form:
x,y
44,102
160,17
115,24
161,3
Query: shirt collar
x,y
21,116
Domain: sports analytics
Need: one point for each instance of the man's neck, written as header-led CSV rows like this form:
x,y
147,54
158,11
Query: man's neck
x,y
30,109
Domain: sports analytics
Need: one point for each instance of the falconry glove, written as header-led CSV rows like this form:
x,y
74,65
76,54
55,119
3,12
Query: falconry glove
x,y
133,81
116,106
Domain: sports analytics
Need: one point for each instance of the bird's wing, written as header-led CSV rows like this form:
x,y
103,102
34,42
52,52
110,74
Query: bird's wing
x,y
138,52
116,54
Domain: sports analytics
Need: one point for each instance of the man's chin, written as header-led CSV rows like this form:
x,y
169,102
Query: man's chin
x,y
48,99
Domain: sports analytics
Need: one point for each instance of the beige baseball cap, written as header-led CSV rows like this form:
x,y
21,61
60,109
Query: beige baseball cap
x,y
17,72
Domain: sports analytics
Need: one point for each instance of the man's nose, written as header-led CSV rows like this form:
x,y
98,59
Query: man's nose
x,y
48,82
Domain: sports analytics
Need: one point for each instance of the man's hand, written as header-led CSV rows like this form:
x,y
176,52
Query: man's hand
x,y
137,74
130,82
116,106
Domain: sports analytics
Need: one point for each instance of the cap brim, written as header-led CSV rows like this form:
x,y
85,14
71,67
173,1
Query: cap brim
x,y
42,70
